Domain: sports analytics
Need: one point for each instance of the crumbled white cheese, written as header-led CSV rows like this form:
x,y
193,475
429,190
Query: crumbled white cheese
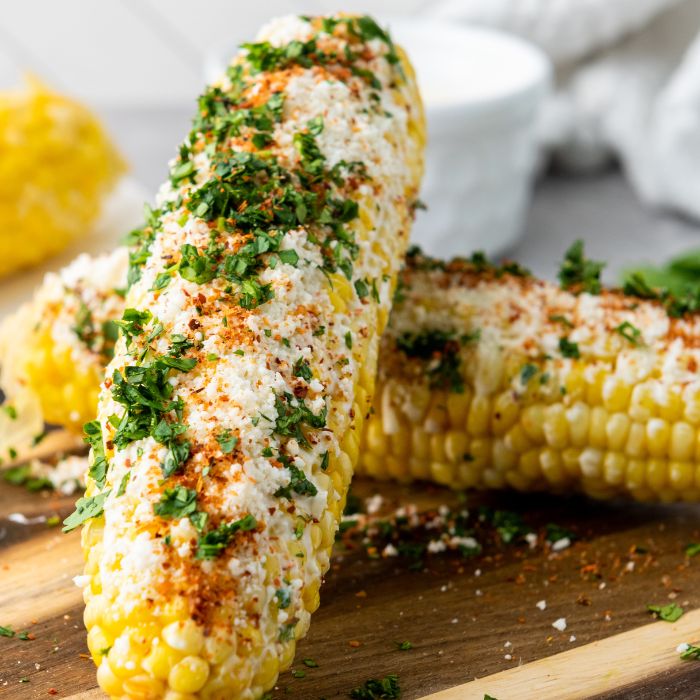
x,y
559,624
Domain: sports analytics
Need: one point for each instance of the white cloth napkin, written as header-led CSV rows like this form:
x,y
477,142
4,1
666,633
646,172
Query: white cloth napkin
x,y
628,85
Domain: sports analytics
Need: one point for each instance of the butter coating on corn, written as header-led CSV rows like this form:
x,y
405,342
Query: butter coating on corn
x,y
490,378
228,421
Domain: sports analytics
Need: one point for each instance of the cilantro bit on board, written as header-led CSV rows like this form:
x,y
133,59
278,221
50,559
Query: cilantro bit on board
x,y
667,613
385,689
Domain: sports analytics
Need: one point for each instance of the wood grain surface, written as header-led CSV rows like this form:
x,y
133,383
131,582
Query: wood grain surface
x,y
466,618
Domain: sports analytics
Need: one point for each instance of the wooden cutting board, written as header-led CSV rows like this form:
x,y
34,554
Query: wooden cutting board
x,y
466,619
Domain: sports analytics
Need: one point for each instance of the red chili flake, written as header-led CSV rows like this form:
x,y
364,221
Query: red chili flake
x,y
355,644
53,691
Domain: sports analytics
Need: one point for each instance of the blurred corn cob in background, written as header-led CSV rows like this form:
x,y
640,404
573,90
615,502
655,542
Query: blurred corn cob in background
x,y
490,378
57,166
480,384
229,421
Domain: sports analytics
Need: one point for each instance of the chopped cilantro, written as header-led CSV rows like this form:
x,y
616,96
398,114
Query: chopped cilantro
x,y
373,689
284,598
214,542
578,273
302,370
309,663
227,441
440,350
176,503
629,332
690,652
668,613
10,411
298,484
527,373
123,484
692,549
85,509
558,318
569,349
404,646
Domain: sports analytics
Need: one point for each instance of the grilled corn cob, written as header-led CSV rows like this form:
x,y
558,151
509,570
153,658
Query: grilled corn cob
x,y
229,421
490,378
53,350
57,165
516,407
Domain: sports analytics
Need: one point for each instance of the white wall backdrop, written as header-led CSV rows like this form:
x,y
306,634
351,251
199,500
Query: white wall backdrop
x,y
140,52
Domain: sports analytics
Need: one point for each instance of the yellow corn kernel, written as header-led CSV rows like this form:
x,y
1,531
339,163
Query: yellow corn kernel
x,y
617,431
98,643
682,445
516,439
310,596
436,419
189,675
143,688
185,636
108,680
458,408
657,474
614,467
442,473
420,444
419,468
529,465
267,672
555,426
93,611
596,428
287,655
636,440
504,413
517,480
532,420
636,475
374,437
400,443
571,459
578,419
123,657
658,434
479,416
594,387
456,445
616,394
671,406
681,475
691,404
591,462
643,402
503,458
552,466
160,660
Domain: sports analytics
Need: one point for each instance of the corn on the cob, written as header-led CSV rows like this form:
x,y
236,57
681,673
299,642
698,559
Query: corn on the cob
x,y
57,165
228,423
490,378
53,350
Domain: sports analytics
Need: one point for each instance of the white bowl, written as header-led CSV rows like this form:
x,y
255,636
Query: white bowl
x,y
482,91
